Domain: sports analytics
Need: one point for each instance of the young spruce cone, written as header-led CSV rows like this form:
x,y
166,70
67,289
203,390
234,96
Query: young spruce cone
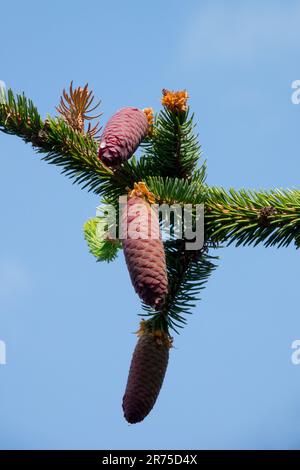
x,y
122,135
145,256
146,375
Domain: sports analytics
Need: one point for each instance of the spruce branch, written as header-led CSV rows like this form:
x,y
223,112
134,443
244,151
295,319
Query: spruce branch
x,y
179,191
253,217
173,148
166,173
188,272
239,217
19,116
73,151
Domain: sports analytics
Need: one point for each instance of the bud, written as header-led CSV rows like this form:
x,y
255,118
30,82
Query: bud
x,y
175,101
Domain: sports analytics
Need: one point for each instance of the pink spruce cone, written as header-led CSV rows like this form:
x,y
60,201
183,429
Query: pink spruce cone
x,y
122,135
147,371
144,252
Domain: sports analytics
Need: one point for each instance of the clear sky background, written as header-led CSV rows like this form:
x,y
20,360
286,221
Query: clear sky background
x,y
67,321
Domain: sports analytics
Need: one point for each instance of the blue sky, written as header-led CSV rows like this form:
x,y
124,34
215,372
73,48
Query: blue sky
x,y
67,321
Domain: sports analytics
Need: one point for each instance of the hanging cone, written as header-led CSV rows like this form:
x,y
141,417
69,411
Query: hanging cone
x,y
122,135
145,256
146,374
